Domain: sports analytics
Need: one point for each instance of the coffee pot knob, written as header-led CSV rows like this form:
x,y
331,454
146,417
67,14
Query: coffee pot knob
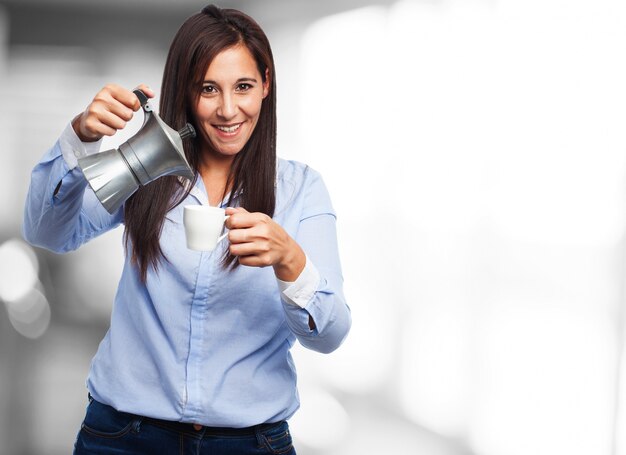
x,y
187,131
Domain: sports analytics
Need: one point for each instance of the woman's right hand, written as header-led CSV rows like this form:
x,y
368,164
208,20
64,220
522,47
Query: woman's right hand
x,y
109,111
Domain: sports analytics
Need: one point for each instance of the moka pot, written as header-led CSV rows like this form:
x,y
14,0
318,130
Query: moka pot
x,y
156,150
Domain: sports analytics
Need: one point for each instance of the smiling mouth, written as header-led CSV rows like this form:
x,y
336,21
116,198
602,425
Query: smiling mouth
x,y
228,129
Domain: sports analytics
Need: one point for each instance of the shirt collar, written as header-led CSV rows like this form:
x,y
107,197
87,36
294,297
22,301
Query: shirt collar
x,y
198,191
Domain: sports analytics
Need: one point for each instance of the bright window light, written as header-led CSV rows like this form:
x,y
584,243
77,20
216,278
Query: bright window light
x,y
474,152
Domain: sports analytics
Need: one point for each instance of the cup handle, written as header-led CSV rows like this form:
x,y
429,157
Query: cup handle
x,y
223,236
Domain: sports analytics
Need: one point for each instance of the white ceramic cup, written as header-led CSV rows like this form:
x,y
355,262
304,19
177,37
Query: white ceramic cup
x,y
203,226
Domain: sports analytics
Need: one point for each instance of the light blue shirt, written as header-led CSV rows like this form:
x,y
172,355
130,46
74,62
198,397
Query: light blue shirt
x,y
196,343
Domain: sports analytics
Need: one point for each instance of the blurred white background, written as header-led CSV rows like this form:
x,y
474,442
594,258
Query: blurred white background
x,y
475,153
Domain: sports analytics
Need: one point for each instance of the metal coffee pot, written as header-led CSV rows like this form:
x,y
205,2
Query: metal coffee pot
x,y
156,150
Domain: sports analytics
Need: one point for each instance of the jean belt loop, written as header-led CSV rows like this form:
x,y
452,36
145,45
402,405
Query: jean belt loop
x,y
137,424
260,439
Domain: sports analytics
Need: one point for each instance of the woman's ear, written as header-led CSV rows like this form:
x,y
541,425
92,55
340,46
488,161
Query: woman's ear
x,y
266,83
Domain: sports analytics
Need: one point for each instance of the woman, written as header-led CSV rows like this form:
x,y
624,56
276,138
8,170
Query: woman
x,y
196,359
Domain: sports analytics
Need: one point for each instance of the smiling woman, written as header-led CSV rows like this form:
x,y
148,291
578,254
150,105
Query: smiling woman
x,y
230,104
197,358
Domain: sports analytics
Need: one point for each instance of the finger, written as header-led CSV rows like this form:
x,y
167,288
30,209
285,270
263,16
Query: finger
x,y
122,95
120,110
241,220
231,210
100,129
255,261
239,236
115,100
146,89
246,219
250,261
101,120
250,248
241,249
101,108
255,233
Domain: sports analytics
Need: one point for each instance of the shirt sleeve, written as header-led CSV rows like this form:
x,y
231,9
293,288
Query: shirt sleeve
x,y
319,295
301,291
61,211
72,148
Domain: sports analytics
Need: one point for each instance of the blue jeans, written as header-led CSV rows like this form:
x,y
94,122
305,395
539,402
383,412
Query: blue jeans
x,y
107,431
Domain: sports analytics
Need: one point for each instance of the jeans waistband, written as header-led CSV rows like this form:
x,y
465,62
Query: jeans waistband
x,y
203,430
210,431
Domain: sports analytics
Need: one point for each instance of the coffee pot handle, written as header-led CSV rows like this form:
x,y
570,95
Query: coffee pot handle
x,y
143,99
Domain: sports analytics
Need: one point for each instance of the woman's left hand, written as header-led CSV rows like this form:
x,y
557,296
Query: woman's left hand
x,y
258,241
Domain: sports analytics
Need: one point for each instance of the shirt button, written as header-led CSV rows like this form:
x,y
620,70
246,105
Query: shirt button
x,y
76,154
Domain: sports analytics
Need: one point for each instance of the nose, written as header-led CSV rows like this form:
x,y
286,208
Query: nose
x,y
227,108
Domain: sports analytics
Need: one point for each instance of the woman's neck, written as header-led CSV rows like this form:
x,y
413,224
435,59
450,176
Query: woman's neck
x,y
214,172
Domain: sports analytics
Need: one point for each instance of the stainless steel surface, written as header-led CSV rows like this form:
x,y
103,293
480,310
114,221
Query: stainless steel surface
x,y
155,151
110,178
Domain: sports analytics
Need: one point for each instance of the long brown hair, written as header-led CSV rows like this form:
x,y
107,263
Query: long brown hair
x,y
198,41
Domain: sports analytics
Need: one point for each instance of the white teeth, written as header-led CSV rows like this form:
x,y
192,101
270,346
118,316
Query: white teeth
x,y
229,129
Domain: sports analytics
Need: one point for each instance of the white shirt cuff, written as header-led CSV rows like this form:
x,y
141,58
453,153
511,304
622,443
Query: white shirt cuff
x,y
301,291
73,148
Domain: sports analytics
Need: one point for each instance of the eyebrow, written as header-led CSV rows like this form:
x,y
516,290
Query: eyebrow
x,y
239,81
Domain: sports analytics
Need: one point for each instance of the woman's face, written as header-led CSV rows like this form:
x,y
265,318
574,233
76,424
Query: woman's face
x,y
230,101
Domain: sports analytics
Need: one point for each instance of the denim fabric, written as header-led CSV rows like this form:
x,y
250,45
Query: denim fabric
x,y
107,431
